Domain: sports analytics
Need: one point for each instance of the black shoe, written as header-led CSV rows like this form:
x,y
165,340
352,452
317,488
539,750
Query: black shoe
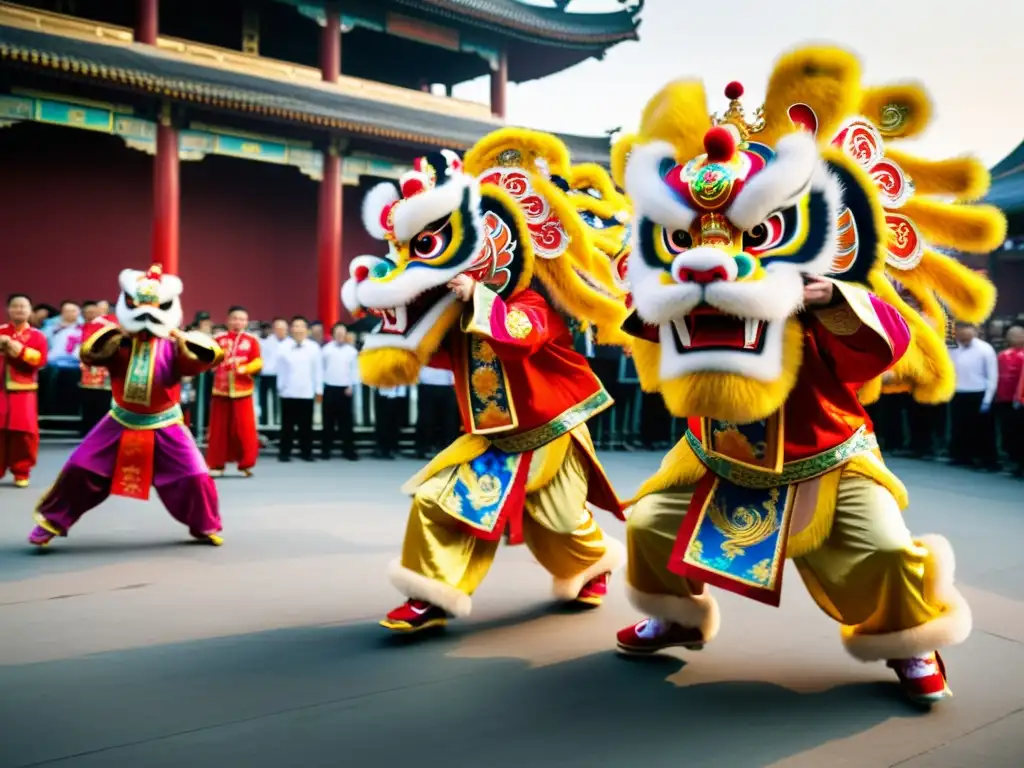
x,y
352,457
284,459
308,459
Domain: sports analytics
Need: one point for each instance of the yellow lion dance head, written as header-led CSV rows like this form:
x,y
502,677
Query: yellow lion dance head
x,y
501,215
732,215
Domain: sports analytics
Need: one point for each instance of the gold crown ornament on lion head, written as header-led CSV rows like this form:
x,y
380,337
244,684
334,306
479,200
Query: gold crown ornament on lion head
x,y
731,216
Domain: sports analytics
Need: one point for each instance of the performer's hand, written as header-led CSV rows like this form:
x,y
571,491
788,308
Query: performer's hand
x,y
240,371
985,407
14,347
348,391
177,334
817,292
319,398
462,286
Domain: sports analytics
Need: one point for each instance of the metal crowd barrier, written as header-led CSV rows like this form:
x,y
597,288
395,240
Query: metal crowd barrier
x,y
64,423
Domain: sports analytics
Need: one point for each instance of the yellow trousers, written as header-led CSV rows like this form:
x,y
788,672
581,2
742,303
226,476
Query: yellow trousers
x,y
443,564
892,594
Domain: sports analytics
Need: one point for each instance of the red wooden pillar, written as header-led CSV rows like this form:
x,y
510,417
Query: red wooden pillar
x,y
148,25
330,48
499,85
166,194
328,266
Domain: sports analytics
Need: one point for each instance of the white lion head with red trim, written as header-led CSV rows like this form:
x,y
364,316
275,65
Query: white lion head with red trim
x,y
150,301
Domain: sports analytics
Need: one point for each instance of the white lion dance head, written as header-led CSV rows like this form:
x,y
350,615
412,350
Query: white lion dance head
x,y
149,301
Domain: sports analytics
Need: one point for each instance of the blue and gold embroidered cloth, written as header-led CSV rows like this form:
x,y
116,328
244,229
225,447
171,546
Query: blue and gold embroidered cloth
x,y
477,491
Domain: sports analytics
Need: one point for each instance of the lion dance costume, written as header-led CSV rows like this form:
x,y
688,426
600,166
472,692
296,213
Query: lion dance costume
x,y
526,467
779,460
143,441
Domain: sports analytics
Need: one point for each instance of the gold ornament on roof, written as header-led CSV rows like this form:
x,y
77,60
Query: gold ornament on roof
x,y
510,158
736,117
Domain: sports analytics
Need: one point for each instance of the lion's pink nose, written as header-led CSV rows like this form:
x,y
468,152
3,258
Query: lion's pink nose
x,y
701,276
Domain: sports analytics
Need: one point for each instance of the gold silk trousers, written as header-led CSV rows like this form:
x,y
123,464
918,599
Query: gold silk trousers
x,y
892,594
443,564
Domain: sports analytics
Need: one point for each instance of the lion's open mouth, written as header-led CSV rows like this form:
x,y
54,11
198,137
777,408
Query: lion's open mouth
x,y
399,321
707,329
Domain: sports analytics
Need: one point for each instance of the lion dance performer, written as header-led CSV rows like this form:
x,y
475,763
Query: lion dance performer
x,y
485,256
142,442
233,434
755,248
22,355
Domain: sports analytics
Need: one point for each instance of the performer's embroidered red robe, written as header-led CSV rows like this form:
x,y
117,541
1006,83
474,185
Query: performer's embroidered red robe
x,y
95,376
19,407
233,435
521,385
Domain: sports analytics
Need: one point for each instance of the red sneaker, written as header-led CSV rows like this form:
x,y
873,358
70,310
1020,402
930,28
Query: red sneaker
x,y
414,616
594,591
923,678
652,635
40,537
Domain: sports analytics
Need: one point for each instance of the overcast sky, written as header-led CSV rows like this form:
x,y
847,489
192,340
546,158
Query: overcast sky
x,y
969,53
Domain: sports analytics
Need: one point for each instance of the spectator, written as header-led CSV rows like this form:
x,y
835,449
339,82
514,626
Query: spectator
x,y
299,382
1007,408
437,417
59,383
387,405
977,376
341,377
316,332
270,346
42,313
94,381
203,323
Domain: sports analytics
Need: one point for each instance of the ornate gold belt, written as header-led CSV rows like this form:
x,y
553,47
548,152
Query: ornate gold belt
x,y
568,420
797,471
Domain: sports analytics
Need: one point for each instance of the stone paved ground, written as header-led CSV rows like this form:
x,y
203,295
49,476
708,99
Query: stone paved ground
x,y
126,646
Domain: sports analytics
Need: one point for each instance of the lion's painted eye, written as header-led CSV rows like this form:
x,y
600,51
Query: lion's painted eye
x,y
432,241
676,240
766,235
166,306
129,302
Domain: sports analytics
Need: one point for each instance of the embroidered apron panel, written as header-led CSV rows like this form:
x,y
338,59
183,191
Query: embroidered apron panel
x,y
479,490
758,445
138,379
735,538
490,398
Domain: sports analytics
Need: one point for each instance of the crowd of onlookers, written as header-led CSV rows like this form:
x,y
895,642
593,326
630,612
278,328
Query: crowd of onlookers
x,y
310,379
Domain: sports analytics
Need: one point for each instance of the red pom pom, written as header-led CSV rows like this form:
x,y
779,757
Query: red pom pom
x,y
734,90
412,187
385,217
720,144
360,273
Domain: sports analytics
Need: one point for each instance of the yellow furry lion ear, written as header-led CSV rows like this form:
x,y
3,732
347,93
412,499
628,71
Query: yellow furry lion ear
x,y
521,148
677,114
823,83
900,110
620,156
962,178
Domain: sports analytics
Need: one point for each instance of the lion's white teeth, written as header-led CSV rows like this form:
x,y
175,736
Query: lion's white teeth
x,y
750,330
683,331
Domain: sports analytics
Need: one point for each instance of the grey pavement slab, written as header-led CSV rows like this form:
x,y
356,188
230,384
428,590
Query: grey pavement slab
x,y
125,645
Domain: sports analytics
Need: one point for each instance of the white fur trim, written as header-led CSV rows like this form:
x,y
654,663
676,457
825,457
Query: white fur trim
x,y
418,587
780,184
613,559
376,200
652,197
414,213
656,302
696,612
951,628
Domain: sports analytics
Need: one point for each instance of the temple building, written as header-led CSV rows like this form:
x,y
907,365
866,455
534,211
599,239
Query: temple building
x,y
230,139
1006,266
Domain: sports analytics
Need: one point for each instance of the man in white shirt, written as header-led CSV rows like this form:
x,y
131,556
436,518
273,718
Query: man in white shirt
x,y
269,348
973,434
437,411
387,408
299,383
341,377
